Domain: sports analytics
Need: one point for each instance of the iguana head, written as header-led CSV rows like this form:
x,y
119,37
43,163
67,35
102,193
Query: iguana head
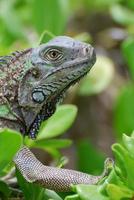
x,y
57,65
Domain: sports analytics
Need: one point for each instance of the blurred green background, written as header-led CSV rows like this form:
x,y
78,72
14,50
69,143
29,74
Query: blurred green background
x,y
105,97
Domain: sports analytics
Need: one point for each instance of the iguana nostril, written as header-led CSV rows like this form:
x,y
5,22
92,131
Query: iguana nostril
x,y
87,50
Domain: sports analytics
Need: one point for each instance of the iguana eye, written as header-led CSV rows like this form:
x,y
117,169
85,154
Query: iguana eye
x,y
53,55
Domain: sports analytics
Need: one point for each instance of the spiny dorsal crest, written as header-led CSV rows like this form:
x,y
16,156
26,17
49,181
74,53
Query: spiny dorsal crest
x,y
10,59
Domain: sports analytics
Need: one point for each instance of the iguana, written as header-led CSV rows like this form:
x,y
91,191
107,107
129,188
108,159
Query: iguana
x,y
32,82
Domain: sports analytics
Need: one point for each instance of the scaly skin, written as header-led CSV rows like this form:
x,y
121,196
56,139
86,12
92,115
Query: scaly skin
x,y
31,84
34,80
52,177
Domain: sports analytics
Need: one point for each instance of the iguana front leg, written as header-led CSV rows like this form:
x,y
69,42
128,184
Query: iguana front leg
x,y
52,177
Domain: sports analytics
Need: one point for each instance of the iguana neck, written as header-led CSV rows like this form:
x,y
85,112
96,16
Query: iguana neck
x,y
12,70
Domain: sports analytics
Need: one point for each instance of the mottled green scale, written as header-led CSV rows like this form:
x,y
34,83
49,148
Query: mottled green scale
x,y
12,70
2,74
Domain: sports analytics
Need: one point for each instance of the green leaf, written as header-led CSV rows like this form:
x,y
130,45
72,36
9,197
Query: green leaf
x,y
129,144
52,195
122,15
73,197
112,178
99,77
45,37
59,122
50,15
52,143
119,153
54,153
129,164
10,143
118,193
126,163
4,190
128,49
30,190
62,162
124,112
90,192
